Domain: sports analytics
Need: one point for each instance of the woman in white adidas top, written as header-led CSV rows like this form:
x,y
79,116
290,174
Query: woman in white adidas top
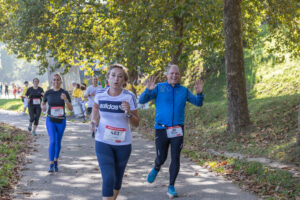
x,y
113,110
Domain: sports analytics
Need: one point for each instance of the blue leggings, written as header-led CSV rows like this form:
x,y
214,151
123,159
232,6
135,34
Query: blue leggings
x,y
112,160
55,132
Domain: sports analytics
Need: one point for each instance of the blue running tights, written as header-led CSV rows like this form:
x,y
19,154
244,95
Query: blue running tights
x,y
112,161
55,132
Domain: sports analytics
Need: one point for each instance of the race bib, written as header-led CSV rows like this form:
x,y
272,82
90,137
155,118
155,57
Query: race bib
x,y
36,101
174,131
57,111
114,134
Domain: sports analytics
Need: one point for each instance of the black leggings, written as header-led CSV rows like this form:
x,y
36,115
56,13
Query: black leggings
x,y
34,113
162,143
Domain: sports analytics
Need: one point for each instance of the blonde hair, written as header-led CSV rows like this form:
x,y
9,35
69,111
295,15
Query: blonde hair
x,y
58,76
119,66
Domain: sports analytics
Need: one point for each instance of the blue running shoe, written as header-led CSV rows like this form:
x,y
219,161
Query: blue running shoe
x,y
152,175
171,192
51,168
55,166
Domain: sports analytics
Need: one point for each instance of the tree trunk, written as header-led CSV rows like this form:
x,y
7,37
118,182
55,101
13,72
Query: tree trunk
x,y
238,115
178,33
298,136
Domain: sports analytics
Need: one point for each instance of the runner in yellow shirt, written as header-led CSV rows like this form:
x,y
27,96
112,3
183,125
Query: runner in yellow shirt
x,y
24,99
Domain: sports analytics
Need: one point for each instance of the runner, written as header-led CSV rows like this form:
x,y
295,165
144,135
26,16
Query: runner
x,y
115,108
56,119
77,100
24,97
6,92
90,94
83,99
1,87
34,95
14,90
170,100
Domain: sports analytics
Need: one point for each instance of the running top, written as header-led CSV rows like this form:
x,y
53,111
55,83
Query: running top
x,y
114,127
35,96
91,89
170,103
56,104
24,91
76,93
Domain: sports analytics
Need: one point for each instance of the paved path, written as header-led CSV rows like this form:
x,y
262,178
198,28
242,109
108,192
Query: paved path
x,y
79,176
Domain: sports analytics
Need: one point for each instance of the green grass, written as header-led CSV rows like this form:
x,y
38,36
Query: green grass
x,y
12,143
273,134
11,104
273,89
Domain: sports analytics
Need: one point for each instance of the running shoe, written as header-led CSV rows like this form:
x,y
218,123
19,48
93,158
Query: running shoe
x,y
152,175
171,192
33,133
29,127
55,166
51,168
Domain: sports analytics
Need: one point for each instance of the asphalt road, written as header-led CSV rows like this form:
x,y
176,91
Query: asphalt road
x,y
79,176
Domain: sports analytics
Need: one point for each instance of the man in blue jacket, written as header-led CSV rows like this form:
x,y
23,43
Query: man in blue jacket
x,y
170,100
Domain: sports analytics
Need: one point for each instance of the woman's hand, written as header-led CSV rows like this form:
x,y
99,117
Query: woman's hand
x,y
126,107
92,126
64,97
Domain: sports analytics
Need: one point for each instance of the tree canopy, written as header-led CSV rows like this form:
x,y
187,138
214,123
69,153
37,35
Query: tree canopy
x,y
144,34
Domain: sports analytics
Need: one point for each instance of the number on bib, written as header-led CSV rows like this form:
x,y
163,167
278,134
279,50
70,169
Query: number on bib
x,y
114,134
57,111
174,131
36,101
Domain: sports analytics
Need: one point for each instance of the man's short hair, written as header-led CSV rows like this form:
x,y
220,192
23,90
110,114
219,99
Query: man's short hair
x,y
169,67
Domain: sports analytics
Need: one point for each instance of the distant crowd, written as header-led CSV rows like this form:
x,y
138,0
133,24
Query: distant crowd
x,y
5,89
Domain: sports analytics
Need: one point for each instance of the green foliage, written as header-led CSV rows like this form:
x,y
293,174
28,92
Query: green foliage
x,y
143,35
273,91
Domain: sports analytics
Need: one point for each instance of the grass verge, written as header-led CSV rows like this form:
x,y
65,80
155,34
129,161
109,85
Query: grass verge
x,y
268,183
14,144
272,135
11,104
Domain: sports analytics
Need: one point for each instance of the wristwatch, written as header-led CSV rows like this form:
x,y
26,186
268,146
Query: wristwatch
x,y
129,115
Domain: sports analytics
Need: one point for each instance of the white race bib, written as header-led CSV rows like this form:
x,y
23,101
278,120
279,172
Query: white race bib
x,y
174,131
57,111
36,101
114,134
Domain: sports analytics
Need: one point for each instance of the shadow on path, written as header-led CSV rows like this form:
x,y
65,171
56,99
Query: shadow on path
x,y
79,176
